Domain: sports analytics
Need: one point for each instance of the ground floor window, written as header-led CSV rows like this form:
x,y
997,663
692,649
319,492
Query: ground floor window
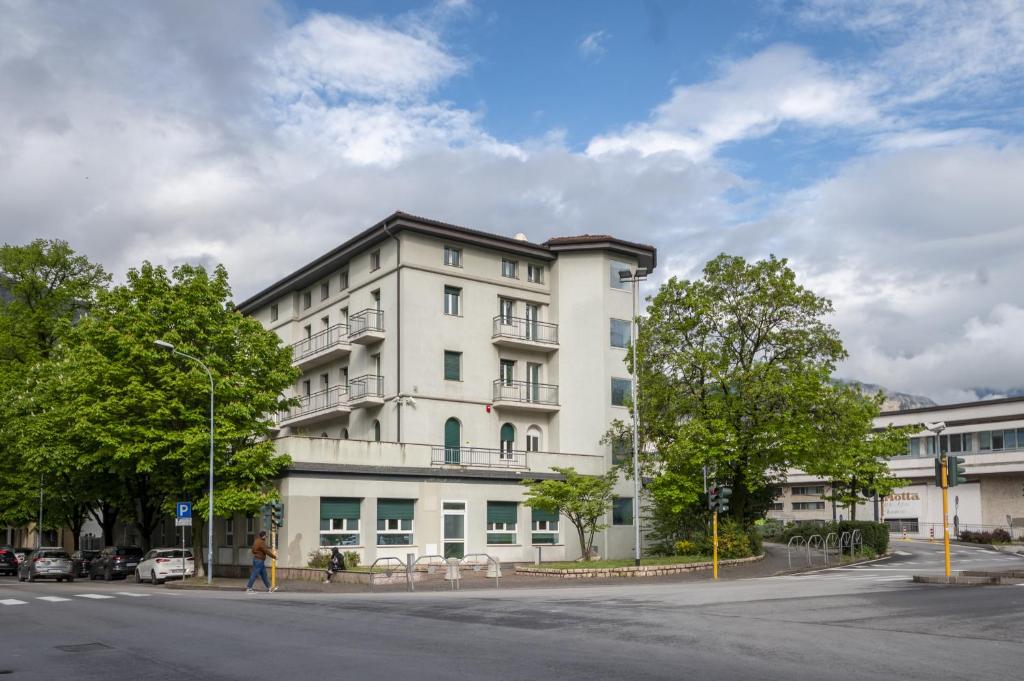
x,y
395,522
544,527
622,511
229,532
339,521
501,522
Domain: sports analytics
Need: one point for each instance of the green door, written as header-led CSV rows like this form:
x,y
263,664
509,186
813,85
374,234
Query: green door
x,y
452,438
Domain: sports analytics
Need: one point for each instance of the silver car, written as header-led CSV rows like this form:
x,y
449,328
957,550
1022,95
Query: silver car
x,y
47,564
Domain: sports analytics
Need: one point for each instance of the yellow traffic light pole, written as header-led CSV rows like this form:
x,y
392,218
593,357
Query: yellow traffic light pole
x,y
945,508
714,541
273,561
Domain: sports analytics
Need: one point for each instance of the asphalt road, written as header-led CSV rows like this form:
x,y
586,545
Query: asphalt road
x,y
868,622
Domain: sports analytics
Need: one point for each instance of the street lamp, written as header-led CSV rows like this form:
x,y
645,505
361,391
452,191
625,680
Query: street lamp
x,y
634,277
209,548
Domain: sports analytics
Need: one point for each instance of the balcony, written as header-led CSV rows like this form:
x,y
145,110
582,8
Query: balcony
x,y
366,327
331,343
477,457
525,396
322,406
366,391
526,334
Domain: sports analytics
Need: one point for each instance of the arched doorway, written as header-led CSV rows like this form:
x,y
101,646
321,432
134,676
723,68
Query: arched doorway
x,y
508,440
452,439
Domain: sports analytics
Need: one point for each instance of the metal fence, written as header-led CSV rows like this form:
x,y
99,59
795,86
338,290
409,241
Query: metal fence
x,y
521,328
481,457
320,341
525,391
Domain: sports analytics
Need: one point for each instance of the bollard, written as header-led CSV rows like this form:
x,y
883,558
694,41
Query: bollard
x,y
453,574
410,558
931,534
537,560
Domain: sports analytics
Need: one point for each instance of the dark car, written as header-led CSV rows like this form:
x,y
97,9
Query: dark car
x,y
115,561
82,559
8,561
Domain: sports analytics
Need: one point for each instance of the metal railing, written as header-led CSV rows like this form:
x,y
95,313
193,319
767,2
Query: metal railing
x,y
331,398
367,385
525,391
320,341
799,541
481,457
522,328
390,569
370,319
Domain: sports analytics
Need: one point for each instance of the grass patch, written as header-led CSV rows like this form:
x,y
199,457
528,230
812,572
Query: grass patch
x,y
626,562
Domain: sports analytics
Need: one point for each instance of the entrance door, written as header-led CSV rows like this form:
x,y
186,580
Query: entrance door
x,y
452,438
533,382
454,529
531,322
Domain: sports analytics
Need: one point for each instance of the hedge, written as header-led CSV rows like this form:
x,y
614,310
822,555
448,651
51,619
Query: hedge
x,y
875,535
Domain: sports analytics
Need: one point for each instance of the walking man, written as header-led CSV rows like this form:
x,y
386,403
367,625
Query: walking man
x,y
260,551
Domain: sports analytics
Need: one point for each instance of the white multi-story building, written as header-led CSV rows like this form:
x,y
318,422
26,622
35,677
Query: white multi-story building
x,y
441,366
989,435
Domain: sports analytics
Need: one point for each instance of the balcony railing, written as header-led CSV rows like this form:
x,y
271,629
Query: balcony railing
x,y
525,391
318,342
325,400
479,457
521,328
365,321
367,385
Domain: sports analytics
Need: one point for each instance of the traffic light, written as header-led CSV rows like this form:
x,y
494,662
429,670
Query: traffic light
x,y
938,472
718,499
277,513
712,498
955,470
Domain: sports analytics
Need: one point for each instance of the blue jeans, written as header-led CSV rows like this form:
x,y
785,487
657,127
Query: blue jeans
x,y
259,568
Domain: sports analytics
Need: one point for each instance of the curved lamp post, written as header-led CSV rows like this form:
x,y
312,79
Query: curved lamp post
x,y
209,547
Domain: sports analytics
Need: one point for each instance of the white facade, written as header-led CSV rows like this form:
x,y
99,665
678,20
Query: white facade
x,y
444,365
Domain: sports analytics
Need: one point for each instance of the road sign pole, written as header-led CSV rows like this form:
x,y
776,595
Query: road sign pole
x,y
714,541
183,574
945,513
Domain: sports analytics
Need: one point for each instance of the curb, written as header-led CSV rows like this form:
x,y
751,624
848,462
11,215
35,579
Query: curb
x,y
811,569
629,571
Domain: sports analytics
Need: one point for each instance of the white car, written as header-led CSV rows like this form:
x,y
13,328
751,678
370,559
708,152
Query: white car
x,y
159,565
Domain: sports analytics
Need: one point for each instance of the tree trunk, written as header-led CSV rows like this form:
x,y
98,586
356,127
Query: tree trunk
x,y
583,540
197,547
106,516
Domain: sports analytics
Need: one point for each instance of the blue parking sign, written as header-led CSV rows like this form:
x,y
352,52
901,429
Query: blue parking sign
x,y
183,509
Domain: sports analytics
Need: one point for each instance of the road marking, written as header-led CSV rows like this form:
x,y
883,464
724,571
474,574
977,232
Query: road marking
x,y
93,596
129,593
12,601
52,599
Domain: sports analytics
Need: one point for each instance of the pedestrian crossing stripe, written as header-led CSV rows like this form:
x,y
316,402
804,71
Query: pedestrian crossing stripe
x,y
134,595
12,601
52,599
94,596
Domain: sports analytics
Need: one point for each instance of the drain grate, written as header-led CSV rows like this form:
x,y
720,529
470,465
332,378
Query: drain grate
x,y
83,647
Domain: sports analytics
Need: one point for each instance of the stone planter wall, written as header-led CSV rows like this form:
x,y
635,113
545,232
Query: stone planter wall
x,y
628,571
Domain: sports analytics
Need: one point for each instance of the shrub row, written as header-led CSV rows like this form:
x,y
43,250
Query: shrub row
x,y
733,542
996,536
875,535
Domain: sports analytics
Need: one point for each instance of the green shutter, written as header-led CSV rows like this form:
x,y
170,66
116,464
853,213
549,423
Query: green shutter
x,y
540,514
339,508
501,511
451,366
508,433
390,509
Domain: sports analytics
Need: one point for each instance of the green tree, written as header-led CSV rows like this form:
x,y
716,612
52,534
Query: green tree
x,y
734,375
583,499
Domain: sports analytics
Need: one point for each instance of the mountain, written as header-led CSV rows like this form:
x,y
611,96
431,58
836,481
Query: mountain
x,y
894,401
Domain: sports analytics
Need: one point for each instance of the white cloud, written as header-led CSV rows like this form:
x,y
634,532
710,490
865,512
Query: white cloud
x,y
593,45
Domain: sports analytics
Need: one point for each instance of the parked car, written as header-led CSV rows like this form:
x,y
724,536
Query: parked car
x,y
160,565
8,560
82,559
115,561
49,563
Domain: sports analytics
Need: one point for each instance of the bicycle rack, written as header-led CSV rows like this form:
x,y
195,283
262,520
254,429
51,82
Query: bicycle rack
x,y
831,539
431,567
389,572
856,539
844,541
815,541
800,541
477,566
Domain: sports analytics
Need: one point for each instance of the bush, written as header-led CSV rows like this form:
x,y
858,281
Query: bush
x,y
686,547
996,536
733,541
351,559
319,559
756,540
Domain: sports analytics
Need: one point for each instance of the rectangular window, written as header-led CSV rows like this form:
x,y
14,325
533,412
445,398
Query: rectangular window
x,y
915,446
307,331
307,299
507,310
535,273
622,511
375,260
815,490
1009,439
229,532
273,312
325,323
533,441
961,442
339,521
343,376
452,366
343,280
621,330
614,267
375,296
777,506
509,268
808,505
985,441
325,290
325,381
344,317
394,522
621,389
544,526
453,256
305,388
501,522
452,301
250,530
508,371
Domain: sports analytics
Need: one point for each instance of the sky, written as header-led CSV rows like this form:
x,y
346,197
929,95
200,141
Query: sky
x,y
877,145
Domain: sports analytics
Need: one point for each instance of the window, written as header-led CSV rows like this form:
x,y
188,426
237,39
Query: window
x,y
621,330
452,300
814,490
614,267
622,511
375,260
508,440
307,299
376,430
305,388
325,381
961,442
544,526
343,280
394,522
325,323
994,440
325,290
273,312
776,506
507,310
307,331
808,505
343,320
344,433
622,451
453,256
339,521
621,389
250,530
375,296
508,371
533,439
535,273
914,446
501,522
452,365
229,532
509,268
